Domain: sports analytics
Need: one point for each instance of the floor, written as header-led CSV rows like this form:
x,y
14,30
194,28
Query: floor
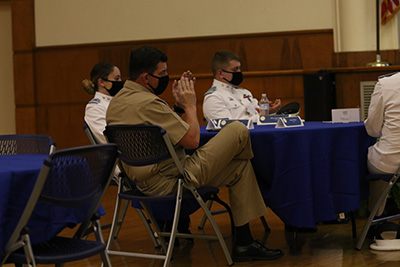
x,y
330,245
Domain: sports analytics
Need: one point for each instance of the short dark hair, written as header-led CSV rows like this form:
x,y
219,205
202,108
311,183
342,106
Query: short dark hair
x,y
221,60
145,59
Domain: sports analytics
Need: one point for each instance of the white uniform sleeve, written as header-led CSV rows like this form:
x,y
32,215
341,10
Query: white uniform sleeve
x,y
253,106
255,102
214,108
374,122
95,117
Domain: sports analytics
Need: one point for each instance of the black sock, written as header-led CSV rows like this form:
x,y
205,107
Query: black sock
x,y
243,235
183,225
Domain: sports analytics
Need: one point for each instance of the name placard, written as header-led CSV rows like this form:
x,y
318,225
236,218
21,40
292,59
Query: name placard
x,y
218,124
345,115
289,122
270,119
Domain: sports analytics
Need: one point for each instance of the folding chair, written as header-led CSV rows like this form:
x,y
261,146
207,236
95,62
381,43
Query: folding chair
x,y
16,144
77,178
89,134
115,182
391,179
142,145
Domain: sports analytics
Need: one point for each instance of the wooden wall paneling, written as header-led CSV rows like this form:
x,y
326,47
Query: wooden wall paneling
x,y
348,90
265,53
64,123
258,52
24,80
23,25
316,50
59,74
23,36
117,55
286,61
61,98
25,120
289,51
361,59
192,55
297,58
348,83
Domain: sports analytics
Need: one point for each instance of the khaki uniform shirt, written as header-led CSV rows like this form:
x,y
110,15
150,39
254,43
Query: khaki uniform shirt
x,y
134,105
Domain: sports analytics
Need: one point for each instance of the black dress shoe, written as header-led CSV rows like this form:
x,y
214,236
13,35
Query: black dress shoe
x,y
255,251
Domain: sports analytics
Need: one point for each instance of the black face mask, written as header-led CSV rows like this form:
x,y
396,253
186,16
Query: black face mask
x,y
115,88
237,77
162,84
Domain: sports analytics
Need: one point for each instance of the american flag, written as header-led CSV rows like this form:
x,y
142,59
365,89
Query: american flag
x,y
389,8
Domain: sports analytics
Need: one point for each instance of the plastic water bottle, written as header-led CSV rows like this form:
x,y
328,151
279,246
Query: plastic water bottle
x,y
264,105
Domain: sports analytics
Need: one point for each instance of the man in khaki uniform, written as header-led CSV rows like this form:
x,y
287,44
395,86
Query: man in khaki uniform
x,y
223,161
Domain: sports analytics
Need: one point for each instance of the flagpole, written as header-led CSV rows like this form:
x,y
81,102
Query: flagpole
x,y
378,62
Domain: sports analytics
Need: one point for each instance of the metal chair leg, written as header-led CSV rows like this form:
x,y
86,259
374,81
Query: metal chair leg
x,y
213,223
204,219
148,228
99,237
121,218
371,217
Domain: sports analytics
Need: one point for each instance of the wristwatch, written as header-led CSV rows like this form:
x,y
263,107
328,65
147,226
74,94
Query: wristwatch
x,y
179,109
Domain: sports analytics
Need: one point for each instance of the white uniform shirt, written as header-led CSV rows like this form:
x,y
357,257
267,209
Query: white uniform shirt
x,y
223,100
95,115
384,122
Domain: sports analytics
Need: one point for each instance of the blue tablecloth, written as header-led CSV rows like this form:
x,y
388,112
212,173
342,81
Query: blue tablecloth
x,y
18,175
308,174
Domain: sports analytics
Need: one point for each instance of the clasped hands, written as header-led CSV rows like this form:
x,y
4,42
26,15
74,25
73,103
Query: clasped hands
x,y
184,92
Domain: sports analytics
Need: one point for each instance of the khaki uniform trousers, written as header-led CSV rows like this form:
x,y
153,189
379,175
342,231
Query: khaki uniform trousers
x,y
225,161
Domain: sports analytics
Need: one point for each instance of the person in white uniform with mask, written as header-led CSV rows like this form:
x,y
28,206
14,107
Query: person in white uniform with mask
x,y
105,82
225,99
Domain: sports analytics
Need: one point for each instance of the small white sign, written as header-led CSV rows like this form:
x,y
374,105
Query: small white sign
x,y
289,122
345,115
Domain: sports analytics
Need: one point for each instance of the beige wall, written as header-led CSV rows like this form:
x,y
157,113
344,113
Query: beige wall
x,y
355,27
7,104
89,21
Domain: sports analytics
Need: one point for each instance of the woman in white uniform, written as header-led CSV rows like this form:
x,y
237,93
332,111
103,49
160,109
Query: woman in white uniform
x,y
105,82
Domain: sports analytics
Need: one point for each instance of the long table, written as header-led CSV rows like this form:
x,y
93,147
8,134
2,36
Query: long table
x,y
309,174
